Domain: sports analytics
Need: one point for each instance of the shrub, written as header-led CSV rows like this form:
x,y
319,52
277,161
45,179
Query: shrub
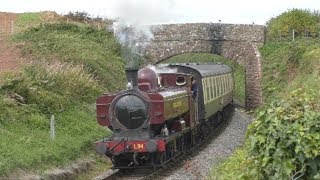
x,y
311,62
302,21
78,16
284,140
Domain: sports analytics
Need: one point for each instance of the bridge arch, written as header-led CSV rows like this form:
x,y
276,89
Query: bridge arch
x,y
239,43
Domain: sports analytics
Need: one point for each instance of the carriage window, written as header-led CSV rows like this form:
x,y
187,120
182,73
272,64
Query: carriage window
x,y
212,88
204,90
215,87
220,85
224,84
231,82
208,89
208,93
227,82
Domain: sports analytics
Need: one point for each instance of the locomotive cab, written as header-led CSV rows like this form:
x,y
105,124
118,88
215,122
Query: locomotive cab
x,y
175,80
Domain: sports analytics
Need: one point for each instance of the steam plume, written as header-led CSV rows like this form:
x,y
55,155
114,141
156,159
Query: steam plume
x,y
132,26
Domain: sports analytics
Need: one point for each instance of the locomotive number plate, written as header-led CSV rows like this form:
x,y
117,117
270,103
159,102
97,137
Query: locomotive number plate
x,y
138,146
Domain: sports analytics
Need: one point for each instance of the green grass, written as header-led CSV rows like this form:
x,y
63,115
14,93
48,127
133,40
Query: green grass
x,y
100,166
72,64
29,98
96,49
28,144
239,71
288,66
27,20
232,167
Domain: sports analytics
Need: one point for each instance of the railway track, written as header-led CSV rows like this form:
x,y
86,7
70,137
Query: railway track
x,y
161,173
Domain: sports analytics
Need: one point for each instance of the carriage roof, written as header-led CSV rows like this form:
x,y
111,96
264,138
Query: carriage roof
x,y
204,69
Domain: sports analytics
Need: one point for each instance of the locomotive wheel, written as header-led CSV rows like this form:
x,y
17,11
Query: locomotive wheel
x,y
155,160
219,117
225,114
163,159
205,128
211,120
120,161
159,159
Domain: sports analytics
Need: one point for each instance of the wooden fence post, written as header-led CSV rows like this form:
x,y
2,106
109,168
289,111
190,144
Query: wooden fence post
x,y
52,130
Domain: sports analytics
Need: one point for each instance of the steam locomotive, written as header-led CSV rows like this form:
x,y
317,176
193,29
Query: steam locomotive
x,y
158,117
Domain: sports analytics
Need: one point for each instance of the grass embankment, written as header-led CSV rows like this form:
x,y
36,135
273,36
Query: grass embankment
x,y
239,71
287,66
71,65
290,65
77,44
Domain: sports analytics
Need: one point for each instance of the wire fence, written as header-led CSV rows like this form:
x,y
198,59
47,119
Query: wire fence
x,y
293,35
7,27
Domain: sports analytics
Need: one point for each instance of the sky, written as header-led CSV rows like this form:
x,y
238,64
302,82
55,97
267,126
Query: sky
x,y
167,11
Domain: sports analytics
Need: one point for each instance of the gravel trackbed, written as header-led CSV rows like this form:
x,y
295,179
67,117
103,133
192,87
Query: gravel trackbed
x,y
228,137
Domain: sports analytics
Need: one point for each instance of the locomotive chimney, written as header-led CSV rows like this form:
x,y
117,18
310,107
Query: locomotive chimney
x,y
132,77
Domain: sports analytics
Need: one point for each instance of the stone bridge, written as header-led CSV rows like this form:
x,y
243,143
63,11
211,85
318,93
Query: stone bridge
x,y
239,43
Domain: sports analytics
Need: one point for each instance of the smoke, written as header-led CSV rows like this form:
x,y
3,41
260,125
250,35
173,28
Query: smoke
x,y
162,68
132,27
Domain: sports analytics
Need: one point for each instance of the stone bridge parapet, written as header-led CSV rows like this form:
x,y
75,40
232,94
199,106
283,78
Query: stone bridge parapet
x,y
238,42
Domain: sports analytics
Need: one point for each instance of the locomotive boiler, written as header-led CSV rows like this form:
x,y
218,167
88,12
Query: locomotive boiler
x,y
157,117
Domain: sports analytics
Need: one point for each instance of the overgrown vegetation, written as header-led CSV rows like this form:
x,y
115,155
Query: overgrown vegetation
x,y
84,17
73,63
27,20
231,167
304,23
284,139
239,71
283,142
295,64
29,98
70,65
96,49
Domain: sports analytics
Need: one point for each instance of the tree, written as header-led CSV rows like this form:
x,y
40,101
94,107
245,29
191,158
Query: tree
x,y
304,23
